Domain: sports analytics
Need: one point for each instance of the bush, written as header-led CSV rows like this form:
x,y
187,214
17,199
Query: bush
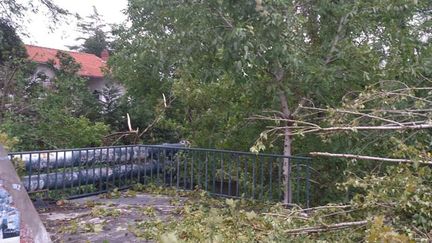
x,y
7,141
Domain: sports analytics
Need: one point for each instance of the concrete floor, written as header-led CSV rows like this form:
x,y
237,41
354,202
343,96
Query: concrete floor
x,y
98,219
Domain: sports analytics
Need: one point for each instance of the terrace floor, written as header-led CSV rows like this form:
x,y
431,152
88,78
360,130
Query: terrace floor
x,y
114,217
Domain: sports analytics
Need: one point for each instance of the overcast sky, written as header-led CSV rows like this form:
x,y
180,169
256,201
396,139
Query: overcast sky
x,y
65,34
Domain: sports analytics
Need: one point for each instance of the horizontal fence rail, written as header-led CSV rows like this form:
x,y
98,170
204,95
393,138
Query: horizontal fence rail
x,y
73,173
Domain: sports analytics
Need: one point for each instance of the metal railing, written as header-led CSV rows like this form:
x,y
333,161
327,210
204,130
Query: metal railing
x,y
72,173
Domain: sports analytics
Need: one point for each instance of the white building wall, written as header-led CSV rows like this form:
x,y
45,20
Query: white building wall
x,y
95,85
43,69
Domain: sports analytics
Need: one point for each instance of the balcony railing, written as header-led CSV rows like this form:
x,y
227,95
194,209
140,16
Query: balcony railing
x,y
72,173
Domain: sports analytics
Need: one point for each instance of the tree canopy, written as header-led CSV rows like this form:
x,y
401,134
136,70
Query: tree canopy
x,y
95,34
346,80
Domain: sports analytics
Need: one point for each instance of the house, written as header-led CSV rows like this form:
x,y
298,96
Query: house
x,y
91,66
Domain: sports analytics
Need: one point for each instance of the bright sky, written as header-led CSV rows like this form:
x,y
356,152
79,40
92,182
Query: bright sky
x,y
65,33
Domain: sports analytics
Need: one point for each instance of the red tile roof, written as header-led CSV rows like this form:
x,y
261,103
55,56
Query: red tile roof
x,y
91,65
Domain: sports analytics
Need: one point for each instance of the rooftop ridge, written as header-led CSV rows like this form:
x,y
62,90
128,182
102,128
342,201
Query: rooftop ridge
x,y
68,51
91,65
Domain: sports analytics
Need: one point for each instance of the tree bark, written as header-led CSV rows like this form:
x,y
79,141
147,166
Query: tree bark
x,y
104,175
287,149
279,74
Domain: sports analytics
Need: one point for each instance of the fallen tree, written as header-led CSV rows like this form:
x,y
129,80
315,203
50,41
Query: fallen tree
x,y
69,179
57,159
60,169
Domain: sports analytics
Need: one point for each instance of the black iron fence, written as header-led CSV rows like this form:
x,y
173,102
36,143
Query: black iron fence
x,y
72,173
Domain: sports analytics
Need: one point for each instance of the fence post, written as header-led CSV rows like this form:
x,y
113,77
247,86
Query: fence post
x,y
20,221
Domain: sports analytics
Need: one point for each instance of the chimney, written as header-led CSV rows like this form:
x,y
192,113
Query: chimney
x,y
104,55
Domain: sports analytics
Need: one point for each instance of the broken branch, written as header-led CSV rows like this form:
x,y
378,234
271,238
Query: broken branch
x,y
324,228
363,157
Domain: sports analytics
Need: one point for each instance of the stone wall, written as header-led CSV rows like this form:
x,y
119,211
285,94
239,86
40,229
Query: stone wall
x,y
19,220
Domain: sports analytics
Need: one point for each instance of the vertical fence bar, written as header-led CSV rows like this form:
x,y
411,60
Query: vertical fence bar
x,y
30,171
121,160
122,163
125,162
213,162
171,167
47,171
192,171
199,169
56,169
206,171
238,176
100,168
108,167
86,187
245,177
64,170
298,183
185,172
270,179
117,169
261,161
280,184
229,164
152,164
140,165
146,153
38,171
178,171
114,168
222,173
307,183
253,177
132,161
93,163
158,166
79,172
72,172
164,154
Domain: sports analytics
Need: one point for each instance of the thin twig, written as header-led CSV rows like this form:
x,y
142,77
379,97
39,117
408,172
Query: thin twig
x,y
342,22
354,113
327,207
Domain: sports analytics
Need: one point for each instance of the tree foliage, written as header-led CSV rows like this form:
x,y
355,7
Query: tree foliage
x,y
319,50
302,66
377,217
14,12
42,113
11,46
336,76
63,114
94,34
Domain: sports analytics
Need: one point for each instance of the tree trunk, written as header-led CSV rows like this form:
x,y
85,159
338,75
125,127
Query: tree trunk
x,y
287,149
279,74
102,175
